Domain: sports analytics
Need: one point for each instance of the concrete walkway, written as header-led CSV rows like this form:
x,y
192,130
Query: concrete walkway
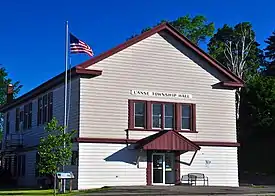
x,y
186,190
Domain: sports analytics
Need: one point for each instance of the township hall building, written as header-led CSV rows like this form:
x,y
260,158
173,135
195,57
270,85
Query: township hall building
x,y
148,112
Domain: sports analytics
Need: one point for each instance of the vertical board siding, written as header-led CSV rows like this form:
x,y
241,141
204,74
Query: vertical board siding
x,y
154,64
108,165
219,164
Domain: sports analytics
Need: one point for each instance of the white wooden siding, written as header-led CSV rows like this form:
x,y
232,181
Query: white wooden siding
x,y
154,64
220,164
32,136
31,180
108,165
113,165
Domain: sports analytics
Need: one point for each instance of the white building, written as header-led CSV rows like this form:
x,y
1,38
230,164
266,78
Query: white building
x,y
148,112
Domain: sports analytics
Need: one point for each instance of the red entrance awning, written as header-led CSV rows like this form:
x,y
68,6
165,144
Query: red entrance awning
x,y
167,140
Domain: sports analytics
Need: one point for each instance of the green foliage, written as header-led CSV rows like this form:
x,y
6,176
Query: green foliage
x,y
270,49
51,148
216,46
4,81
270,54
258,106
196,29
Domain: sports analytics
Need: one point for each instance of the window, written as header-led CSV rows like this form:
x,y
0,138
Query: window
x,y
37,159
27,119
139,108
150,115
74,160
45,109
169,116
50,107
30,115
186,116
8,123
17,119
25,122
39,113
157,115
21,165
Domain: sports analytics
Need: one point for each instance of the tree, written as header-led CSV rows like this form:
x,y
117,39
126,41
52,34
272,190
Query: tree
x,y
52,153
4,81
257,124
270,54
236,48
196,29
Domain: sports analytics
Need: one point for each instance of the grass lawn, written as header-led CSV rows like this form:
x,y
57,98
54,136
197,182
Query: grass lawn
x,y
22,192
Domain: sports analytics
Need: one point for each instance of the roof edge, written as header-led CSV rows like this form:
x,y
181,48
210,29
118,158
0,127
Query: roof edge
x,y
75,71
178,35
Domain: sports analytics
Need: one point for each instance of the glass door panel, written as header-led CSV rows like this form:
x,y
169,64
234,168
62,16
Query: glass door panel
x,y
158,168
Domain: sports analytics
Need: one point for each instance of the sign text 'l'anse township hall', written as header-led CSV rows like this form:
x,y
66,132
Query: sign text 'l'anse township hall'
x,y
160,94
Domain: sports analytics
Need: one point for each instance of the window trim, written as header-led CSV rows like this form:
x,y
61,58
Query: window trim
x,y
149,117
144,116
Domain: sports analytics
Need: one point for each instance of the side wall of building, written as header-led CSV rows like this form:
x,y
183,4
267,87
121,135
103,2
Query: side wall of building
x,y
31,137
102,164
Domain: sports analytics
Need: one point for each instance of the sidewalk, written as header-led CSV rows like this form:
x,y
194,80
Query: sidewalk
x,y
186,190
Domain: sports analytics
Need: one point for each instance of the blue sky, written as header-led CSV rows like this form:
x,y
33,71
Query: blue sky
x,y
32,32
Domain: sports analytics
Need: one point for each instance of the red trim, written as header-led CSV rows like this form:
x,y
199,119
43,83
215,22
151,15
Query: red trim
x,y
232,84
131,114
167,140
180,37
132,141
148,116
105,140
48,85
157,130
225,144
193,118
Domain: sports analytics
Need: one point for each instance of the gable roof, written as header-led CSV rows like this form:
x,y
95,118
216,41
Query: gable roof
x,y
80,70
167,140
233,80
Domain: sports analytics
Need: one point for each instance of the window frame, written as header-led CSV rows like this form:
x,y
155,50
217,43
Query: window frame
x,y
144,116
17,119
177,118
7,123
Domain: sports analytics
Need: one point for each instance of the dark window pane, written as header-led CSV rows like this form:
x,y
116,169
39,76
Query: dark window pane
x,y
186,110
185,123
156,121
169,109
17,120
169,122
139,114
30,116
157,115
139,121
169,115
156,109
8,123
139,108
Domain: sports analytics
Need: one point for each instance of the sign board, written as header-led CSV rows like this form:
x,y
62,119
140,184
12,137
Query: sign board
x,y
65,175
160,94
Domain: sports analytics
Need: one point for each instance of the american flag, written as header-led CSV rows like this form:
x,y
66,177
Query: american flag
x,y
78,46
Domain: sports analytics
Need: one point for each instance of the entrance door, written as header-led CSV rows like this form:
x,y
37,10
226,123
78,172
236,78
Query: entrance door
x,y
158,168
163,168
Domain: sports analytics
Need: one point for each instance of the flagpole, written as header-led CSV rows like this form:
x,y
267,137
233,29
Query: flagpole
x,y
66,89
